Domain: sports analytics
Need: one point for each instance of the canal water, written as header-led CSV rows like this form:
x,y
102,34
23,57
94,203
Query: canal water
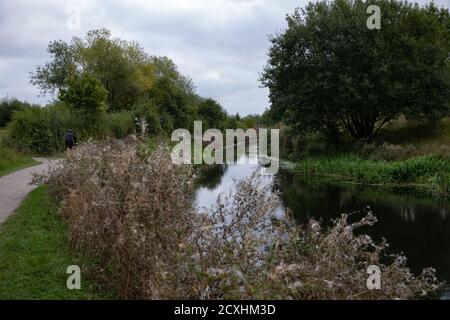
x,y
414,222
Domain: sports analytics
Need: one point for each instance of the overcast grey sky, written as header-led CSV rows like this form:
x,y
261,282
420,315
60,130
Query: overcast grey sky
x,y
221,44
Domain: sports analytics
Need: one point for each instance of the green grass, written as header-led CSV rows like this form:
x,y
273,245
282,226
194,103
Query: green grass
x,y
427,162
34,253
11,161
426,171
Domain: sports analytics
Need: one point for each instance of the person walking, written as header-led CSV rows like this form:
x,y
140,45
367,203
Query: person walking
x,y
70,139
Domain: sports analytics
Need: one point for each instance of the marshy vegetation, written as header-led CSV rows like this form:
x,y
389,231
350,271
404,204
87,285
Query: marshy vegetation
x,y
425,171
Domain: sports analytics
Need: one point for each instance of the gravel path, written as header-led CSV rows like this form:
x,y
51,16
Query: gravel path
x,y
15,186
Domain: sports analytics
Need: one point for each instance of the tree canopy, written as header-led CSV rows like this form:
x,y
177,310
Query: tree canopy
x,y
84,93
212,114
150,85
329,72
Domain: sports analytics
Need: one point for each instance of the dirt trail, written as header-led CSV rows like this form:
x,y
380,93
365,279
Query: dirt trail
x,y
15,186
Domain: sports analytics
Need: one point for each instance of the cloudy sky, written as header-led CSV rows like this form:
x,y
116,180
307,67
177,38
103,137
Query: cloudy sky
x,y
220,44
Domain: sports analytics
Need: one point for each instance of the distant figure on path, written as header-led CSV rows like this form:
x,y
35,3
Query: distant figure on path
x,y
70,139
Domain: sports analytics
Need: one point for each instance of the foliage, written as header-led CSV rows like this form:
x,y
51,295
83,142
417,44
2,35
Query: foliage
x,y
134,198
7,108
55,74
129,75
84,93
173,105
388,152
148,111
117,200
327,71
119,124
42,130
427,171
212,114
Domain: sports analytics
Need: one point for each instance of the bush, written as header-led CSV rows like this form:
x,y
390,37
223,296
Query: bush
x,y
41,130
147,110
292,144
131,213
120,124
84,93
132,197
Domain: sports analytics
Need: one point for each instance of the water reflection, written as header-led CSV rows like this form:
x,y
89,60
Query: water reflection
x,y
214,181
413,222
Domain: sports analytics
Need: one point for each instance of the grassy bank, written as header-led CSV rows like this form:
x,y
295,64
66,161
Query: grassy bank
x,y
404,153
34,253
11,161
425,171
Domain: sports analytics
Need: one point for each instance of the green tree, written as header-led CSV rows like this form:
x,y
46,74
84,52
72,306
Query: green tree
x,y
84,93
54,74
212,114
126,71
122,67
8,106
328,72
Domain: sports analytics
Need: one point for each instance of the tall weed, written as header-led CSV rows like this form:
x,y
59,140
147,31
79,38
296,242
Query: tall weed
x,y
130,212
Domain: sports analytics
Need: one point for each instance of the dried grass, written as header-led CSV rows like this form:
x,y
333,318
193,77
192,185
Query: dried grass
x,y
130,212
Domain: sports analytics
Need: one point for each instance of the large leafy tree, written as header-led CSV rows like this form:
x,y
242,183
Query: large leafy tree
x,y
327,71
132,78
122,67
212,114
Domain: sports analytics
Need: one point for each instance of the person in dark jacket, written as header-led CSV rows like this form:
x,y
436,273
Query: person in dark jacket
x,y
70,139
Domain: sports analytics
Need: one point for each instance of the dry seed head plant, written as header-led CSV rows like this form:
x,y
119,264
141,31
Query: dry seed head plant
x,y
132,223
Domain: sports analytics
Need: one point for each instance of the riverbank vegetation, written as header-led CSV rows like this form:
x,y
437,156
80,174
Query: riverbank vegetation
x,y
354,104
238,249
425,171
405,154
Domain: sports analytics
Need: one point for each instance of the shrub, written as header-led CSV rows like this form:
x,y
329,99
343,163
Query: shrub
x,y
147,110
41,130
119,124
292,144
128,219
131,213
